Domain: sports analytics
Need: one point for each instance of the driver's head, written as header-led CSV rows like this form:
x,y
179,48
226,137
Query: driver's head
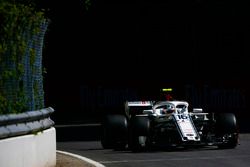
x,y
169,109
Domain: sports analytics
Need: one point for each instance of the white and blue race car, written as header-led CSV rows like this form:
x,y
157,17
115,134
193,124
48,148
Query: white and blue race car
x,y
146,124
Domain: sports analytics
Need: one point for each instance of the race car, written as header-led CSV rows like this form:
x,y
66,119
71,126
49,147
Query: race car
x,y
146,124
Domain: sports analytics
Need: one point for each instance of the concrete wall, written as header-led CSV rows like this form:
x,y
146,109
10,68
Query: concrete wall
x,y
35,150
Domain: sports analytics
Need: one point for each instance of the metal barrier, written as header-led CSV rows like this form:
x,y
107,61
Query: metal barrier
x,y
29,122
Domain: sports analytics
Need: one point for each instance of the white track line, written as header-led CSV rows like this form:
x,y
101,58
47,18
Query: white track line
x,y
175,159
90,161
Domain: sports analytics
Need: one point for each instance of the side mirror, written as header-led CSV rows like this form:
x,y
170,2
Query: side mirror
x,y
148,112
197,110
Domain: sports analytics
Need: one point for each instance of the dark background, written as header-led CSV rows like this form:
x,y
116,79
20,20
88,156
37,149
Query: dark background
x,y
128,50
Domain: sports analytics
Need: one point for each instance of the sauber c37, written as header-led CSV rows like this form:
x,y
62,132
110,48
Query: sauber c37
x,y
146,124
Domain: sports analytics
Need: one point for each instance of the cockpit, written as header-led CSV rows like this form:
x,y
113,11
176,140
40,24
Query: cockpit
x,y
163,108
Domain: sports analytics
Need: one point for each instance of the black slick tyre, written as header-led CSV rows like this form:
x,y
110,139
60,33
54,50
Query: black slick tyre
x,y
114,132
227,130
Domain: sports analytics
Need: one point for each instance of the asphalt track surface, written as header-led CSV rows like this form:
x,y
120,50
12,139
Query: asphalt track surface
x,y
192,157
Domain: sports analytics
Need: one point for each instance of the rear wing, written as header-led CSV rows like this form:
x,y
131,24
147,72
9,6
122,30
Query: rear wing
x,y
139,103
137,107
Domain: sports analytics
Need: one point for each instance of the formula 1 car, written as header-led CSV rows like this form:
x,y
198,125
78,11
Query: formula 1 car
x,y
146,124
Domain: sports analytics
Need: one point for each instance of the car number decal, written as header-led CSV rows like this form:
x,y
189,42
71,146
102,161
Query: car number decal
x,y
185,126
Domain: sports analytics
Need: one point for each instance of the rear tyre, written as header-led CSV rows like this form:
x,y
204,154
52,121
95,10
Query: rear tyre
x,y
114,131
227,130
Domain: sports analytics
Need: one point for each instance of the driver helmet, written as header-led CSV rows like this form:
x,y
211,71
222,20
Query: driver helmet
x,y
169,109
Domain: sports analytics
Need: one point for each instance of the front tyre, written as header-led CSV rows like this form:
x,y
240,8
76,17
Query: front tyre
x,y
139,133
227,130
